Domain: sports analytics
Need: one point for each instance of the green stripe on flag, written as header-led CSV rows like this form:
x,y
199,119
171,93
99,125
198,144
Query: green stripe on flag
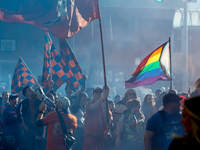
x,y
151,66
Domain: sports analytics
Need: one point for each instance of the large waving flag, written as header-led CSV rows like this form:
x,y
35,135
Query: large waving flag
x,y
156,66
22,76
60,70
62,18
54,67
70,60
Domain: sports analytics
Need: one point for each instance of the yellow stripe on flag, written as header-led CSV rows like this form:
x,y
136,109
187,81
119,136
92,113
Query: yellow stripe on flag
x,y
154,57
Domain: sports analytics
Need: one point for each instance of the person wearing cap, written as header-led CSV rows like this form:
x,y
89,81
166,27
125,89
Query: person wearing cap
x,y
11,122
95,127
117,98
163,123
26,112
190,120
55,135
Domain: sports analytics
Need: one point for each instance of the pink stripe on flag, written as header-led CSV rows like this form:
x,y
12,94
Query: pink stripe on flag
x,y
146,81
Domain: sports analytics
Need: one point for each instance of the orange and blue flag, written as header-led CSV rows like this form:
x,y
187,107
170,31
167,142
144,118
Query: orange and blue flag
x,y
22,76
77,76
60,69
54,68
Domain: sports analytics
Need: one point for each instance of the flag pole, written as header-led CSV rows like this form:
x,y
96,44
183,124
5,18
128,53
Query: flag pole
x,y
103,58
49,47
30,72
171,84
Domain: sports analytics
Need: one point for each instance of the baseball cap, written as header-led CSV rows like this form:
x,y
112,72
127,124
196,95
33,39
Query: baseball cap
x,y
173,91
65,103
159,90
170,97
97,89
13,96
116,96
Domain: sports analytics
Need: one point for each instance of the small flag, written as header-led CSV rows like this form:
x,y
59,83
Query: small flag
x,y
156,66
22,76
54,67
67,55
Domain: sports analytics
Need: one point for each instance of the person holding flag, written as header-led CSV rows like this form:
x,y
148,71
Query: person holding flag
x,y
95,127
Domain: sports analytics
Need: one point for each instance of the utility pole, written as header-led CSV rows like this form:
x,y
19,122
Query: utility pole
x,y
185,47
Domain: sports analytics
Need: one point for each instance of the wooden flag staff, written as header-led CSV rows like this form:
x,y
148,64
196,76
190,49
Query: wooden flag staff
x,y
104,67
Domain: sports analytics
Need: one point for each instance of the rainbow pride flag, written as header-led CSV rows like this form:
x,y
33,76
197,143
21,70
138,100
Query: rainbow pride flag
x,y
156,66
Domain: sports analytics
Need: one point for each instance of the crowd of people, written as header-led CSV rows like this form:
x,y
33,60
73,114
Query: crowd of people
x,y
161,121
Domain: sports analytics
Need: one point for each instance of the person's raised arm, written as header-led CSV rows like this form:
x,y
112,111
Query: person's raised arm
x,y
82,86
147,139
99,101
39,122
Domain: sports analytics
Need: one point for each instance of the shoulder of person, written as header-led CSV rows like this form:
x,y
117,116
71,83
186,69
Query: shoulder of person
x,y
126,113
71,116
51,113
38,101
155,117
7,109
24,102
143,108
90,102
194,93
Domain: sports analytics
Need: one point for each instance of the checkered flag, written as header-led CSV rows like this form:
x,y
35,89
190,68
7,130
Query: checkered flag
x,y
54,67
77,77
22,76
